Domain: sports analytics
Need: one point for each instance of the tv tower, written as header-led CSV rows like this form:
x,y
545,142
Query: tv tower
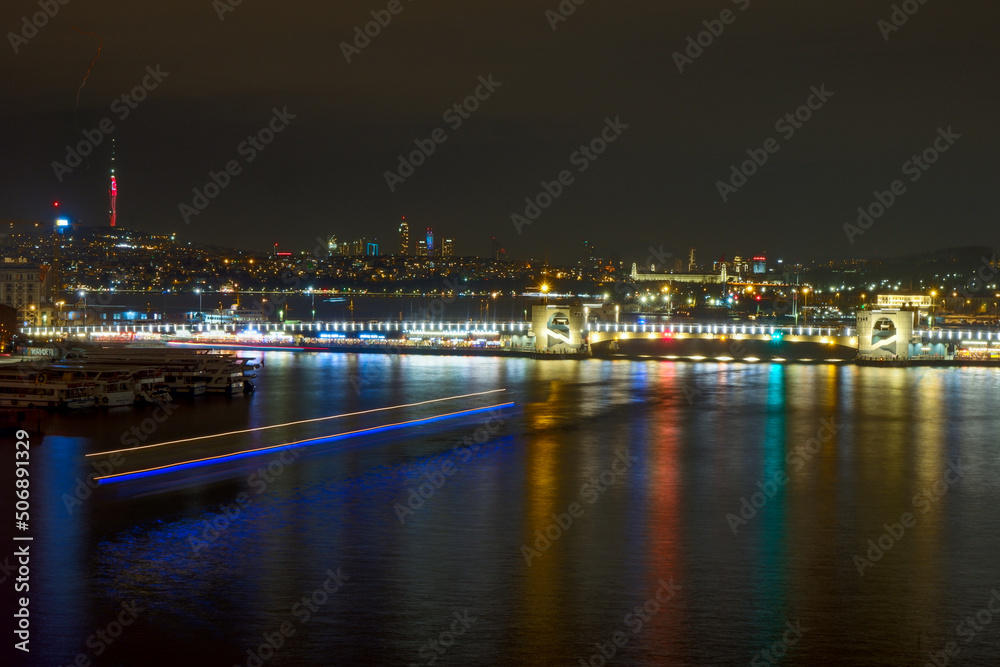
x,y
113,189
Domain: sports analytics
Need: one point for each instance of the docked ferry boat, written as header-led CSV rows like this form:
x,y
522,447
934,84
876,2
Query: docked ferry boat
x,y
22,386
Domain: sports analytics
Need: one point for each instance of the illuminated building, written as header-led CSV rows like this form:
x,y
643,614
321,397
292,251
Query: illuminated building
x,y
896,301
404,237
21,287
430,241
447,248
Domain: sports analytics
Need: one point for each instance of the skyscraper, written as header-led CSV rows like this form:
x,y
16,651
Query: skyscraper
x,y
430,241
404,237
447,247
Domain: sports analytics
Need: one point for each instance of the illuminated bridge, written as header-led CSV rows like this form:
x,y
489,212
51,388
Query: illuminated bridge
x,y
553,329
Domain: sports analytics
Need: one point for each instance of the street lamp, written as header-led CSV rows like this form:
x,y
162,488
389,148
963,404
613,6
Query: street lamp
x,y
83,294
312,294
198,292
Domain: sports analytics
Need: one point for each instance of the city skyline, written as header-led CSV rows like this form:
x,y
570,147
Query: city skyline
x,y
699,140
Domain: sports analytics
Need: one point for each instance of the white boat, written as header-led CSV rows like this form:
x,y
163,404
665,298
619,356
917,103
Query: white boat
x,y
22,386
181,383
113,387
186,371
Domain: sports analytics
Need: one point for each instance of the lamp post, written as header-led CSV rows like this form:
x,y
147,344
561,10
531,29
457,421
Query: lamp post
x,y
83,295
198,292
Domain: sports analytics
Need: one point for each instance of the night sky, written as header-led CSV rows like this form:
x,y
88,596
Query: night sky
x,y
655,185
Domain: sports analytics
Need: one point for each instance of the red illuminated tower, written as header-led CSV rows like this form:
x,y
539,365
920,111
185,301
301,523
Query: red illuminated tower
x,y
113,188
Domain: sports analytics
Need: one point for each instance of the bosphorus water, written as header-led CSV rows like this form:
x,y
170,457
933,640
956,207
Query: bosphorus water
x,y
620,513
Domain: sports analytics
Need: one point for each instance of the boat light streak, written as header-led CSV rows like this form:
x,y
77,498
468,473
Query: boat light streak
x,y
197,463
303,421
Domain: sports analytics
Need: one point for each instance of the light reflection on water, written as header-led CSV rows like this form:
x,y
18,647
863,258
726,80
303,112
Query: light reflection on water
x,y
704,436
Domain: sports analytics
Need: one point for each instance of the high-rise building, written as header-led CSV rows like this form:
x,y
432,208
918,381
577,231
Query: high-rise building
x,y
498,251
760,264
692,264
22,287
422,248
430,241
404,237
447,248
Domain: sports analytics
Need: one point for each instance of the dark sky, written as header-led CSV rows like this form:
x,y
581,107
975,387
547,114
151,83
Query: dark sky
x,y
656,185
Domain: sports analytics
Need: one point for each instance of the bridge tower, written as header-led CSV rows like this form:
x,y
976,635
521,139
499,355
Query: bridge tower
x,y
885,334
558,327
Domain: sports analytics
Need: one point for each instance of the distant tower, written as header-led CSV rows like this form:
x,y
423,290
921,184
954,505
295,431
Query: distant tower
x,y
447,247
692,265
498,252
404,237
430,241
113,189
